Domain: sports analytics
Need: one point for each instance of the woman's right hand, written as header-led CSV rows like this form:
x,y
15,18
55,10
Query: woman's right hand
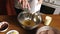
x,y
24,4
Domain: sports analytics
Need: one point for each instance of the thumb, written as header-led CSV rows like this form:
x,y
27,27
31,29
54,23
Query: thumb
x,y
28,6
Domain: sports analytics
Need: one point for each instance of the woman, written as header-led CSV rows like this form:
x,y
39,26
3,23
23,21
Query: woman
x,y
13,6
30,4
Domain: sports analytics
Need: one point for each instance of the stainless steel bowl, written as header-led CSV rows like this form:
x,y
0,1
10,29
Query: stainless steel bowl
x,y
36,18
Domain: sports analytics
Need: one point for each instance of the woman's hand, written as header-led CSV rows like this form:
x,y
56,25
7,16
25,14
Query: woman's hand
x,y
40,1
24,4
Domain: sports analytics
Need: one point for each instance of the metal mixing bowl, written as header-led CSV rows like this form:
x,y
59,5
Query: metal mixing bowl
x,y
36,18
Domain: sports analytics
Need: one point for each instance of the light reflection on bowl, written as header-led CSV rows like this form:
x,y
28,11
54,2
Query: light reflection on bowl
x,y
29,21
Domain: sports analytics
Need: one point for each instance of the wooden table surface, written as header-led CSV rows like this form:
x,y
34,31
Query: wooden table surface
x,y
14,24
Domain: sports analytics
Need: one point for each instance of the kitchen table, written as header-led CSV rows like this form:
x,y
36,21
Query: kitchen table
x,y
14,24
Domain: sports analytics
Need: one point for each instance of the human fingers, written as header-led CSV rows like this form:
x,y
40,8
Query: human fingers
x,y
40,1
28,6
20,1
23,4
26,3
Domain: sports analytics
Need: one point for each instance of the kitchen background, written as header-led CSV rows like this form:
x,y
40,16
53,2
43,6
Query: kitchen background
x,y
48,7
